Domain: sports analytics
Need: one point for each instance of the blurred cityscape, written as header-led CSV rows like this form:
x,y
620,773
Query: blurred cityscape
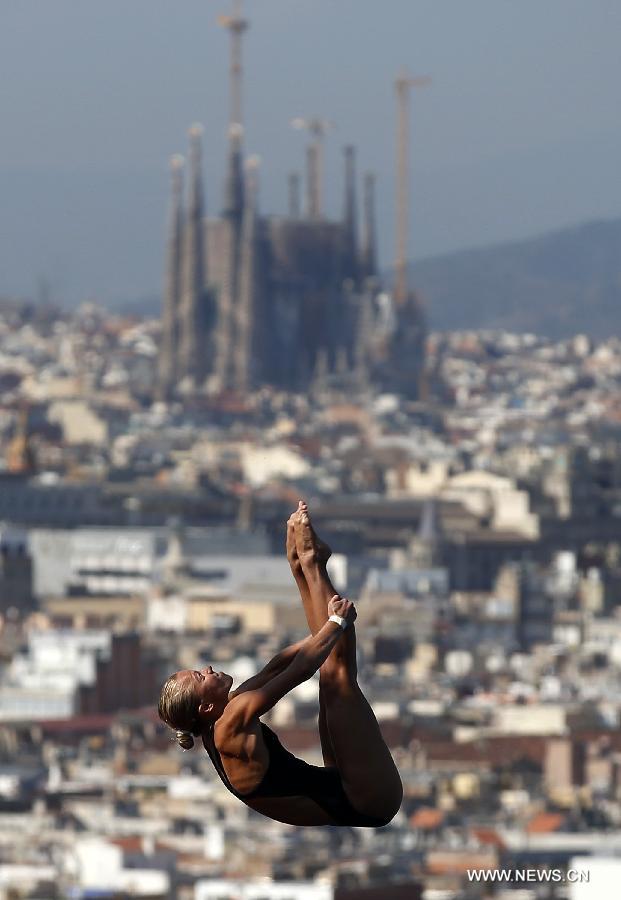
x,y
478,531
468,482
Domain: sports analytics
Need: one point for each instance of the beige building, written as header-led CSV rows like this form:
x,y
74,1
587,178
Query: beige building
x,y
489,497
564,764
254,616
80,424
122,613
494,498
531,719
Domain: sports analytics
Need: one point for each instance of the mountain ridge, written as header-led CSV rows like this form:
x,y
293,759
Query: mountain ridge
x,y
557,284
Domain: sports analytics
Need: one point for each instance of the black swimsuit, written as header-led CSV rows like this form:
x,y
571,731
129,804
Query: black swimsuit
x,y
288,776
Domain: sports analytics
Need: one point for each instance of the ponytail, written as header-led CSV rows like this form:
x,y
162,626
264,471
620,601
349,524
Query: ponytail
x,y
178,708
185,739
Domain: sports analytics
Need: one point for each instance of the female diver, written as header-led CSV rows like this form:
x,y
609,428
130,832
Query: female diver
x,y
359,783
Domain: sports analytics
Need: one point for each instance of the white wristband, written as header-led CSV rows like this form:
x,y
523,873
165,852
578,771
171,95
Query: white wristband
x,y
340,620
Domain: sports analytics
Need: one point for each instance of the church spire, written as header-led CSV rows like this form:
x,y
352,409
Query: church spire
x,y
368,250
247,314
350,214
426,548
168,361
193,297
233,210
236,25
234,187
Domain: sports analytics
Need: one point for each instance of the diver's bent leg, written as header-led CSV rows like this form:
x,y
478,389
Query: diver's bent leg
x,y
368,772
367,769
342,662
327,749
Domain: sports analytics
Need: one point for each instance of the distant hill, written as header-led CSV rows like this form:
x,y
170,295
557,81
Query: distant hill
x,y
559,284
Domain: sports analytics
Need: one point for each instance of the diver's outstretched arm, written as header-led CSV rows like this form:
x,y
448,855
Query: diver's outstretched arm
x,y
275,666
314,651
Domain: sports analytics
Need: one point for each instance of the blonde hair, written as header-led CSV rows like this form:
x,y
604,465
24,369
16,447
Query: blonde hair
x,y
178,708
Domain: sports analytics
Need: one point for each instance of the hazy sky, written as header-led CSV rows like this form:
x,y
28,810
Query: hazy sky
x,y
519,133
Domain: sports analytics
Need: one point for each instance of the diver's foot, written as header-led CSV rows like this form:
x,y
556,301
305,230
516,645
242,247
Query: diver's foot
x,y
310,548
292,550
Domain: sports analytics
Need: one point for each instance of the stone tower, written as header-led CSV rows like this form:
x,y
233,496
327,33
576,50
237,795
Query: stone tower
x,y
350,217
230,228
168,363
248,346
368,249
194,359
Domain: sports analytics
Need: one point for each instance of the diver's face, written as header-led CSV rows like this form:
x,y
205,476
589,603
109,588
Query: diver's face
x,y
209,686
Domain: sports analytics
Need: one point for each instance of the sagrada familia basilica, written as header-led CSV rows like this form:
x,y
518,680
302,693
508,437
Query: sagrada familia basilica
x,y
254,299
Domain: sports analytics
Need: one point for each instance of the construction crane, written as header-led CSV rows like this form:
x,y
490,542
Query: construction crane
x,y
403,84
237,25
317,128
